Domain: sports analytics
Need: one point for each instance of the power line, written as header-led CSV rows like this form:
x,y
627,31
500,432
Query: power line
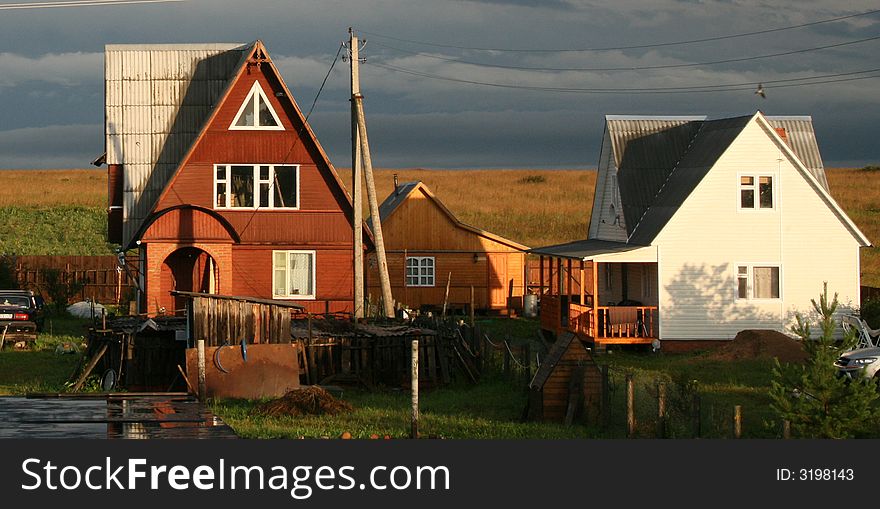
x,y
634,68
788,83
638,46
80,3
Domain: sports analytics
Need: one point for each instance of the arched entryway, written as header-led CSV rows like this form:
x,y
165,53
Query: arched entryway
x,y
188,269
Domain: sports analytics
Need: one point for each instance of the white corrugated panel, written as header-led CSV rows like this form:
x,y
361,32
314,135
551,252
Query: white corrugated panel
x,y
148,126
136,120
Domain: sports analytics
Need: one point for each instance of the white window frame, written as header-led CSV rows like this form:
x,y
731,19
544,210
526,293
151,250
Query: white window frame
x,y
287,253
419,277
251,102
756,200
256,176
750,281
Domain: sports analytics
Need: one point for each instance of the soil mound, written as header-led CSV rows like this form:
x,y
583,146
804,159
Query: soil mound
x,y
761,344
305,401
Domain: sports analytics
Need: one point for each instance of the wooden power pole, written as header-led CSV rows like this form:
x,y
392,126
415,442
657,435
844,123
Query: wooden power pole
x,y
356,198
360,125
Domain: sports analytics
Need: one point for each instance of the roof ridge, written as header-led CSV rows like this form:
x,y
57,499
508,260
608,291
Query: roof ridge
x,y
666,180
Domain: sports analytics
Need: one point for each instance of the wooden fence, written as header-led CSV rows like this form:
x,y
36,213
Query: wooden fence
x,y
102,279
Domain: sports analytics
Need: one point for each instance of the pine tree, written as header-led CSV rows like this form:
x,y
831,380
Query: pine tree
x,y
811,396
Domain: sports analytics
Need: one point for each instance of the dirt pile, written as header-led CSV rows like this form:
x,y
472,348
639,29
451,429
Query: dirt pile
x,y
761,344
305,401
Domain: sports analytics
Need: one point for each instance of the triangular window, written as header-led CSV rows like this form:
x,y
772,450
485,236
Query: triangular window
x,y
256,112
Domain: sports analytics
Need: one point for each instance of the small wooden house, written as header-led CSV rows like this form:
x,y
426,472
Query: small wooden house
x,y
216,178
427,246
567,385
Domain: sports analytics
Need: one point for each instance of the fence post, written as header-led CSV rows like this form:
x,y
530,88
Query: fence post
x,y
203,389
661,409
414,387
786,429
696,410
737,421
630,407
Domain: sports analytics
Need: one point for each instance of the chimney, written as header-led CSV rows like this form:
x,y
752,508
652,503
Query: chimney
x,y
781,132
395,184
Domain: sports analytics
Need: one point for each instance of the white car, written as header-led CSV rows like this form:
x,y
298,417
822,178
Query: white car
x,y
864,362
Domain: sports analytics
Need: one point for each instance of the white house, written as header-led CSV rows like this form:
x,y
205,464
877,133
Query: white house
x,y
700,229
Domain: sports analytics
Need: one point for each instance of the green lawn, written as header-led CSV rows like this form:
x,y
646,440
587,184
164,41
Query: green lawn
x,y
40,369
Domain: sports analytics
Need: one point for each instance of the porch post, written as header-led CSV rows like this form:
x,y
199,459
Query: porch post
x,y
568,279
583,302
541,276
595,324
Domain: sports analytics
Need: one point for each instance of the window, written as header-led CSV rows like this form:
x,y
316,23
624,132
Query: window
x,y
256,112
293,274
256,186
420,271
755,192
757,282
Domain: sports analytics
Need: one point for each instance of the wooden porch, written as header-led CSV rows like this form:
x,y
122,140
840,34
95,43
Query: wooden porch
x,y
568,303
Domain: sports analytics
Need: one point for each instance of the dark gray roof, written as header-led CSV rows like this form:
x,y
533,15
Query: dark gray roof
x,y
584,249
711,140
645,152
394,199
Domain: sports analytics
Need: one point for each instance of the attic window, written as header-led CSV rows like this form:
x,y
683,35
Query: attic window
x,y
756,192
256,112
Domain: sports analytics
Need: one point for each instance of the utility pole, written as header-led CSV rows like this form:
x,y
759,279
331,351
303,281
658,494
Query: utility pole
x,y
387,299
357,205
361,160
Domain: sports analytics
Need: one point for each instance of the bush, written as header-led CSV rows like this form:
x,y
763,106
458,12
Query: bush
x,y
533,179
7,273
870,312
60,287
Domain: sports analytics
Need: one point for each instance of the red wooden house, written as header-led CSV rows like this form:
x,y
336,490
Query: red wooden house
x,y
219,182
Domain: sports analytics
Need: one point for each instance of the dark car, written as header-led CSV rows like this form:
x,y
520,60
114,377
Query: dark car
x,y
21,315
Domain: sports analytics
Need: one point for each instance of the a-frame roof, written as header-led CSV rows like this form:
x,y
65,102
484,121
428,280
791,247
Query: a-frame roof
x,y
213,61
405,190
661,160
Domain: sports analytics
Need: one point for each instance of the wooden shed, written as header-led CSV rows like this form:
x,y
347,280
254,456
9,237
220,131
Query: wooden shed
x,y
567,385
426,246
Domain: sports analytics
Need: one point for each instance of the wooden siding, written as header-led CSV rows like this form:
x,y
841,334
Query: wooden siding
x,y
187,225
323,212
418,224
252,276
703,243
555,391
465,273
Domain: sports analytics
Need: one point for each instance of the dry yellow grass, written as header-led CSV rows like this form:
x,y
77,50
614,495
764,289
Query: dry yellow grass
x,y
858,192
505,202
501,201
46,188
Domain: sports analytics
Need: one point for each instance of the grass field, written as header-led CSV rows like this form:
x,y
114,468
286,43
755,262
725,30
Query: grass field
x,y
63,211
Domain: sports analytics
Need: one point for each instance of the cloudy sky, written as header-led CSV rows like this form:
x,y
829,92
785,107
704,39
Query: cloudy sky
x,y
421,109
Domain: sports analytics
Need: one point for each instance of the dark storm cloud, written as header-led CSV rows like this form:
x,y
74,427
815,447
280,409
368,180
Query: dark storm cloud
x,y
51,72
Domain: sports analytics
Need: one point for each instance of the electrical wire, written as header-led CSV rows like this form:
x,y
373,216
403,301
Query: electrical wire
x,y
633,68
81,3
655,90
637,46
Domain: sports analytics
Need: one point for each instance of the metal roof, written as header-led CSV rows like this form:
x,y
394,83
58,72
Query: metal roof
x,y
801,137
157,98
585,249
710,141
394,199
645,151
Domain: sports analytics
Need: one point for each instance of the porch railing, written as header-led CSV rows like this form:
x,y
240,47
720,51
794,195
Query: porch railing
x,y
614,321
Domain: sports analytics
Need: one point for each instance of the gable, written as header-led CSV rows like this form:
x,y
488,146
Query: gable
x,y
293,144
802,211
414,219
